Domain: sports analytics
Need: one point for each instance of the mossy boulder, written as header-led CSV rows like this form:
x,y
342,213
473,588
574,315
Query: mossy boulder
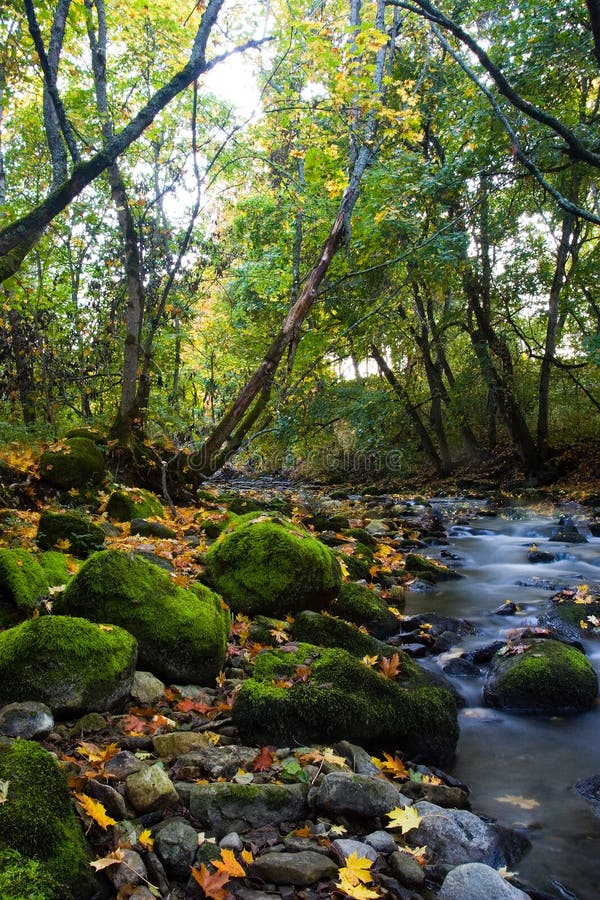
x,y
358,604
343,699
70,664
27,879
181,633
363,537
133,503
325,630
23,583
38,820
92,434
76,533
72,463
56,566
358,564
428,569
547,678
267,565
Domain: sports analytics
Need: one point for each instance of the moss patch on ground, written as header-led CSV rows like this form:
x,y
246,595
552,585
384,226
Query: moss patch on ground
x,y
320,696
182,634
267,565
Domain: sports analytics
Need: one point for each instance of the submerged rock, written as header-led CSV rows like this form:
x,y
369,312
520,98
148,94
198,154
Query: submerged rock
x,y
567,532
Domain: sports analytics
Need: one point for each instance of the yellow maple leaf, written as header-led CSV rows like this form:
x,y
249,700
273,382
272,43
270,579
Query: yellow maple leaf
x,y
392,765
95,810
146,839
405,818
247,856
356,870
229,865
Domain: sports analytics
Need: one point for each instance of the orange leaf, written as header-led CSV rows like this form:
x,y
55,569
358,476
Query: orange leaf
x,y
390,667
95,810
229,864
211,883
304,832
264,760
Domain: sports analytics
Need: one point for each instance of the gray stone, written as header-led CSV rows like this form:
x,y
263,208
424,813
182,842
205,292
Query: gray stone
x,y
296,844
407,870
362,796
382,841
147,528
178,743
26,720
294,868
130,871
146,688
478,882
231,841
438,794
224,807
215,762
150,789
357,758
176,844
456,836
111,800
346,847
122,765
377,527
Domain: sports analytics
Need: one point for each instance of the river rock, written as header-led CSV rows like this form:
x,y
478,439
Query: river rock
x,y
459,667
130,871
589,789
406,869
111,799
540,556
147,528
179,743
567,532
448,796
150,789
26,720
345,847
225,806
456,836
546,678
357,758
476,881
176,843
293,868
121,765
382,841
437,624
215,762
361,796
146,688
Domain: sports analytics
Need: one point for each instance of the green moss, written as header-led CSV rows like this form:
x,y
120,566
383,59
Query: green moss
x,y
82,535
71,664
55,565
23,583
182,634
358,604
38,821
363,537
92,434
268,565
359,564
133,503
548,677
327,631
72,463
344,699
27,879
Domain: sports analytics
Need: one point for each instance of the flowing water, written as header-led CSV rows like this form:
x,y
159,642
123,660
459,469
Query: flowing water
x,y
522,770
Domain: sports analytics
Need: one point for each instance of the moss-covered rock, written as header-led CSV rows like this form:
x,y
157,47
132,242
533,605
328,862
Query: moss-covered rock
x,y
72,463
342,698
70,664
358,604
80,533
548,678
56,566
27,879
268,565
358,564
133,503
363,537
428,569
182,634
328,631
92,434
38,820
23,583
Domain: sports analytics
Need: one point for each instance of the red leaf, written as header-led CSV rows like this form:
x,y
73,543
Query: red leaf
x,y
264,760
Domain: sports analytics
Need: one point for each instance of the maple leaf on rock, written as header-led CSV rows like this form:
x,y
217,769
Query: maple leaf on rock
x,y
264,760
95,810
212,883
392,765
229,864
405,818
390,667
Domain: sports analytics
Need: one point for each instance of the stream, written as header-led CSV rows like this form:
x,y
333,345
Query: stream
x,y
521,770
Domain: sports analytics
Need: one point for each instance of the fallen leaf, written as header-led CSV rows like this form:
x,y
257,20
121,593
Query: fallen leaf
x,y
229,864
390,667
95,810
212,883
405,818
146,839
264,760
392,765
521,802
111,860
4,791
